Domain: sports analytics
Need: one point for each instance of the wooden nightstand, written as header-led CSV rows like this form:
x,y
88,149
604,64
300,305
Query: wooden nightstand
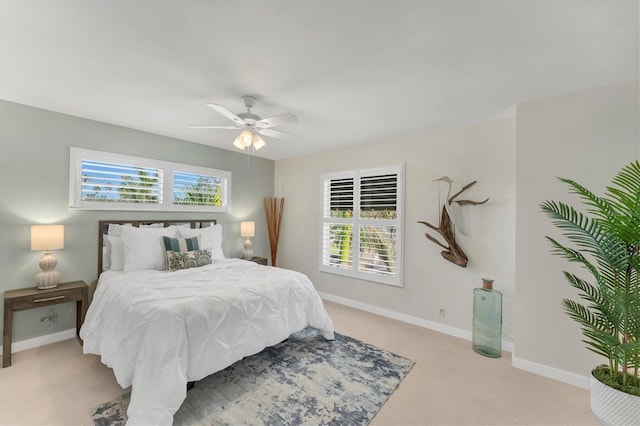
x,y
258,260
29,298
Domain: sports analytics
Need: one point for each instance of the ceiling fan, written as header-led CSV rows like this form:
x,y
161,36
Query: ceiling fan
x,y
252,125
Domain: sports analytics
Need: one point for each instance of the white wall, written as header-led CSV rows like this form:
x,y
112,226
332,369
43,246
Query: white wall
x,y
484,152
587,137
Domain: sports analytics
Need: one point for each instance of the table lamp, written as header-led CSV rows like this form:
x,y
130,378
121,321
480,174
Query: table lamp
x,y
47,238
247,230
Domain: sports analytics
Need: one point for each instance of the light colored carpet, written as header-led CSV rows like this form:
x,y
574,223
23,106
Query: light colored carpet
x,y
449,385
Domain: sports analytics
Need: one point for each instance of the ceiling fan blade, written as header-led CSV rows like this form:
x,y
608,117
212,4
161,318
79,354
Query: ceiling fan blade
x,y
273,133
231,116
207,126
277,120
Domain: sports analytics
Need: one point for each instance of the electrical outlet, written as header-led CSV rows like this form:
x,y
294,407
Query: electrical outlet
x,y
442,312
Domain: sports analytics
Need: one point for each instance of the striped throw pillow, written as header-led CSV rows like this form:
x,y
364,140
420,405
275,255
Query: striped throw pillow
x,y
181,244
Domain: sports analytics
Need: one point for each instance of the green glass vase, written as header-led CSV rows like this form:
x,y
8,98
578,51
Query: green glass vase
x,y
487,320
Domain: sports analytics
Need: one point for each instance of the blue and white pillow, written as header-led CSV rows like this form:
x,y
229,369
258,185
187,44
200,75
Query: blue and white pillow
x,y
181,244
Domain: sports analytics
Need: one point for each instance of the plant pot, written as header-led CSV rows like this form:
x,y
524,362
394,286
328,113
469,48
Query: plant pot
x,y
613,407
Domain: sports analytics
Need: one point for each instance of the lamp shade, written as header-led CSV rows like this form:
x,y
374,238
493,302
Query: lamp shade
x,y
257,141
247,229
243,140
47,237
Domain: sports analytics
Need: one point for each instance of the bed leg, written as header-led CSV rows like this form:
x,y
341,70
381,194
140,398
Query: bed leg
x,y
190,385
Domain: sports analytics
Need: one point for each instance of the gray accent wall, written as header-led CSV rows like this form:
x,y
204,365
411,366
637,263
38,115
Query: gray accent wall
x,y
34,189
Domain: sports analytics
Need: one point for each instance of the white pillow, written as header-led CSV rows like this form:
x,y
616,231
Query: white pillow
x,y
116,252
106,254
144,248
116,230
211,238
180,225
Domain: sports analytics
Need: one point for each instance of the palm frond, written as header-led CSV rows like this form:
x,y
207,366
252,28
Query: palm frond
x,y
574,256
599,207
607,245
586,233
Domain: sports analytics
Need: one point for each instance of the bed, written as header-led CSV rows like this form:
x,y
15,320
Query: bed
x,y
160,329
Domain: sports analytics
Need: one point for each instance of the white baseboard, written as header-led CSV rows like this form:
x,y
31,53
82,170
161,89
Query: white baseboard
x,y
521,364
551,372
409,319
47,339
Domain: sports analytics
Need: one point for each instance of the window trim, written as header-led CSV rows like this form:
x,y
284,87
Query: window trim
x,y
167,169
397,279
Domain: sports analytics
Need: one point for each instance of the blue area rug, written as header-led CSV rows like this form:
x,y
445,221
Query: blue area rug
x,y
304,380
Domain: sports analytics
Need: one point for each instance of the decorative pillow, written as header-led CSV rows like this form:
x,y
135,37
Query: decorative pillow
x,y
115,249
211,238
181,244
187,259
144,248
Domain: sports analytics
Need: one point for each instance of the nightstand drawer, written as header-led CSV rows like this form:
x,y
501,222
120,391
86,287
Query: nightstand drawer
x,y
46,299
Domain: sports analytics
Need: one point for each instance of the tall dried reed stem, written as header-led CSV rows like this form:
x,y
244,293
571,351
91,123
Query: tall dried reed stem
x,y
273,208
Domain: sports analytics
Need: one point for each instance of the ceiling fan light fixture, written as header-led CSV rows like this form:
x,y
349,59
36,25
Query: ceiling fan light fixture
x,y
251,125
243,140
246,137
258,142
239,142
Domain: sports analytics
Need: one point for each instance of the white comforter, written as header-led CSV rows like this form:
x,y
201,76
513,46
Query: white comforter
x,y
158,330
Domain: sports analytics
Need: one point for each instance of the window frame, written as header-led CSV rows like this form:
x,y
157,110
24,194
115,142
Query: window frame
x,y
356,222
166,173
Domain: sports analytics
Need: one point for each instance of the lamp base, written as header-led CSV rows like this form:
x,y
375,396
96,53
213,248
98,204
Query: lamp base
x,y
248,252
49,277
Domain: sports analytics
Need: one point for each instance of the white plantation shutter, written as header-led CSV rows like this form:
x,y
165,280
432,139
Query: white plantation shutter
x,y
113,182
337,227
362,221
201,189
105,181
336,240
378,193
378,250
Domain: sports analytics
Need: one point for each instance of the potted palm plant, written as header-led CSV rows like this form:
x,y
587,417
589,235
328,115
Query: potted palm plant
x,y
605,241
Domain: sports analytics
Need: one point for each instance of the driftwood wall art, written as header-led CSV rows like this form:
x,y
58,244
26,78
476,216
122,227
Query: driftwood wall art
x,y
452,251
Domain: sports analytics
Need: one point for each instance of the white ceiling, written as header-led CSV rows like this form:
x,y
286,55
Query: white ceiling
x,y
353,71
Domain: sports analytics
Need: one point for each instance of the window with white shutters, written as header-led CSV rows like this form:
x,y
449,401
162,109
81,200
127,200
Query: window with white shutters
x,y
362,223
201,189
108,182
105,181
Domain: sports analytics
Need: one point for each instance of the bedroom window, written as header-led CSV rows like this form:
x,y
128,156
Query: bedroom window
x,y
192,188
106,181
362,224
